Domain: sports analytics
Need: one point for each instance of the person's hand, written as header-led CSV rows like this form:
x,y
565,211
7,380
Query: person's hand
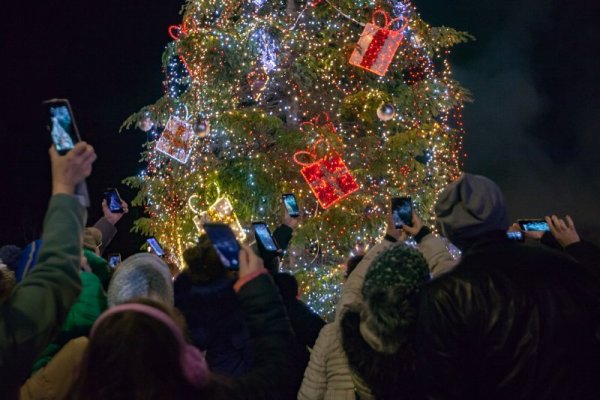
x,y
290,221
71,169
391,230
534,235
250,263
564,232
113,218
417,224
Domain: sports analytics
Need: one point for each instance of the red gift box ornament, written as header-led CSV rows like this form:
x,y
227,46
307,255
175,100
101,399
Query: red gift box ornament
x,y
377,45
328,177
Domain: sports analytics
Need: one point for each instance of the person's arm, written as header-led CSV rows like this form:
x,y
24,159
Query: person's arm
x,y
314,384
431,246
107,223
271,331
352,289
37,307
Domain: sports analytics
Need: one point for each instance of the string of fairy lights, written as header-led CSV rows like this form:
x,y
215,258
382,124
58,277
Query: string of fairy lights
x,y
247,76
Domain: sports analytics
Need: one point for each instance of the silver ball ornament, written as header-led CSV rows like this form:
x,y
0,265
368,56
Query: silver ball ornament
x,y
202,128
386,111
146,124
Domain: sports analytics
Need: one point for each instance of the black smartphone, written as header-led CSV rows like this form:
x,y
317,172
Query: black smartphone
x,y
114,260
155,246
113,201
263,235
533,225
291,205
225,244
65,135
402,211
516,236
61,125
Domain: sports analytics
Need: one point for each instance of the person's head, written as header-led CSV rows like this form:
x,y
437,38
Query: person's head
x,y
137,351
92,239
203,262
287,284
469,208
9,255
142,275
351,264
7,282
389,292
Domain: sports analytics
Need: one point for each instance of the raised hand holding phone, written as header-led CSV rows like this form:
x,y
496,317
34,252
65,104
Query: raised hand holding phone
x,y
65,137
564,232
70,170
250,263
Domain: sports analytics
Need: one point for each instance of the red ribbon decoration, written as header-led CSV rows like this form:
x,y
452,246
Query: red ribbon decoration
x,y
379,38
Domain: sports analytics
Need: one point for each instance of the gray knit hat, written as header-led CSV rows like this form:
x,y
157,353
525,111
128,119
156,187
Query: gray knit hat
x,y
469,207
389,290
142,275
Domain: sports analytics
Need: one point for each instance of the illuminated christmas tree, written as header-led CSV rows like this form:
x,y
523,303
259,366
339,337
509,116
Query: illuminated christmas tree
x,y
345,103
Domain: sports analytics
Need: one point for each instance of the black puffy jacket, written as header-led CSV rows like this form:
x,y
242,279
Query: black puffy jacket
x,y
510,322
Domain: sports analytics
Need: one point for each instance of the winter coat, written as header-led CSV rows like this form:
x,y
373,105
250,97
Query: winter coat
x,y
328,375
216,323
306,323
38,306
90,304
275,371
108,231
54,380
510,322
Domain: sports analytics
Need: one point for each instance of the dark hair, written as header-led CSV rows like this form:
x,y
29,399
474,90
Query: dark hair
x,y
351,264
287,284
133,356
204,264
9,254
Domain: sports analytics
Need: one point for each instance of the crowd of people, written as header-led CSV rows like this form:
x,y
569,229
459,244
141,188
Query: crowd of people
x,y
504,320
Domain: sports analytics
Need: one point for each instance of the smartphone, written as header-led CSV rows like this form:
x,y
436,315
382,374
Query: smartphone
x,y
225,244
402,211
113,201
61,125
533,225
516,236
291,205
263,235
65,135
114,260
155,246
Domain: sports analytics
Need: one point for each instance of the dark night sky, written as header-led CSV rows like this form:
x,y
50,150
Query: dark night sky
x,y
534,127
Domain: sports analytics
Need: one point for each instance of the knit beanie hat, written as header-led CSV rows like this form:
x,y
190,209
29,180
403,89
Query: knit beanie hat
x,y
142,275
389,290
92,238
469,207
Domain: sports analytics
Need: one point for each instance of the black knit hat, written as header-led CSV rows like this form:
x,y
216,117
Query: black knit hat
x,y
389,290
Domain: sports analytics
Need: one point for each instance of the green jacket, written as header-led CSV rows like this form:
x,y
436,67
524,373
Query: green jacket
x,y
90,304
38,306
99,267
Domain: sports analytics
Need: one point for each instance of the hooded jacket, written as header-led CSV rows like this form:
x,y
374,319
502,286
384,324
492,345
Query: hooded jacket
x,y
510,322
216,323
329,375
